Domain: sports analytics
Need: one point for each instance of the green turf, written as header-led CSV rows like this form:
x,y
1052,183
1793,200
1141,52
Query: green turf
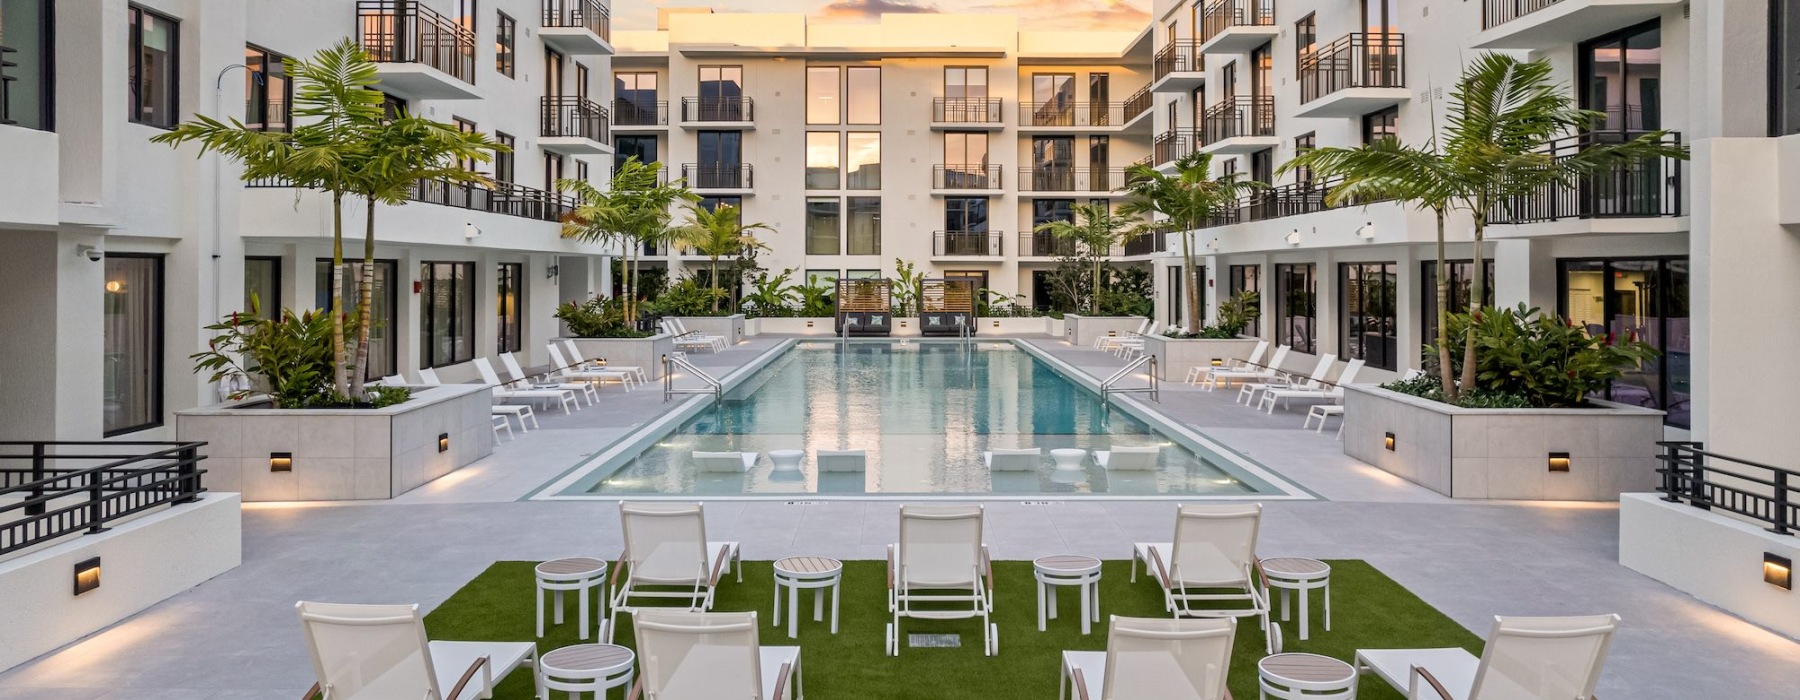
x,y
1369,610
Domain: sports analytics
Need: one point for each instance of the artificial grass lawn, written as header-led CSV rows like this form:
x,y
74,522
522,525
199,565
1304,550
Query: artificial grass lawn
x,y
1369,611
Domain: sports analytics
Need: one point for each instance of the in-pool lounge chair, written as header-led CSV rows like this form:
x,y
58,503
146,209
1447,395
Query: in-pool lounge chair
x,y
1527,658
1249,374
1201,372
1007,460
1128,458
1314,389
939,570
725,462
519,377
1212,561
667,557
505,390
1153,659
710,656
380,652
841,460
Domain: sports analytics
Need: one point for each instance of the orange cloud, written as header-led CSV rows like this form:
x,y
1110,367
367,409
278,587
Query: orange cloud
x,y
872,9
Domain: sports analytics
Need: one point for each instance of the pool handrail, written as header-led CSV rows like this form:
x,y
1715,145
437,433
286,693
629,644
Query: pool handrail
x,y
714,387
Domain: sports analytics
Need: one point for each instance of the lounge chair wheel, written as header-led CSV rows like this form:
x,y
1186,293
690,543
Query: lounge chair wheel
x,y
993,640
893,641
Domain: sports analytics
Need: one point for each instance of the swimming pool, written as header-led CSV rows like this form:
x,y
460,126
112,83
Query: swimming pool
x,y
925,411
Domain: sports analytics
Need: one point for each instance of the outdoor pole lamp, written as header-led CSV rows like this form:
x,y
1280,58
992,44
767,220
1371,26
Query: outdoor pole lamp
x,y
281,461
1559,461
87,575
1778,571
443,442
1388,441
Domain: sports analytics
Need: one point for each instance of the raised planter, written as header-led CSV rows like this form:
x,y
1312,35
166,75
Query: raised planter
x,y
341,454
1082,330
1175,356
1504,453
630,352
731,327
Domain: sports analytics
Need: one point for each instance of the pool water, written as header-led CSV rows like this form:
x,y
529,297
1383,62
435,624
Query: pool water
x,y
925,411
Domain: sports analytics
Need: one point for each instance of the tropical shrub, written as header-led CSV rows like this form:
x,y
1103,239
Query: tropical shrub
x,y
816,298
599,317
908,288
1527,358
289,358
770,297
689,297
1238,312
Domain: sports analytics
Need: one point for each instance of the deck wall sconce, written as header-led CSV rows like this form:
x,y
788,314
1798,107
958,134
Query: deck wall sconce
x,y
443,442
281,461
1778,571
1216,362
996,323
87,575
1388,441
1559,461
809,324
1112,334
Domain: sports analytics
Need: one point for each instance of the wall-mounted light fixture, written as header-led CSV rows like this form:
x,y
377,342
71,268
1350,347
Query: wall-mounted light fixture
x,y
1366,231
1387,441
471,231
1778,571
281,461
1293,237
1559,461
1112,334
1212,244
443,442
809,324
996,323
1216,362
551,271
87,575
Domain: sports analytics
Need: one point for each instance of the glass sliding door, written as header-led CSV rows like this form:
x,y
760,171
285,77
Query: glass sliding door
x,y
1367,294
262,285
1053,163
1053,99
1644,299
721,157
446,313
721,94
383,352
1247,278
132,343
1296,303
508,302
1462,282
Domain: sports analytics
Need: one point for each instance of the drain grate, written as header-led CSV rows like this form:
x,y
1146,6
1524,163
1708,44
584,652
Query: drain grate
x,y
802,503
934,641
1040,503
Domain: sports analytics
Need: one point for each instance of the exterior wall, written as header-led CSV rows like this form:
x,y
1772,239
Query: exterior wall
x,y
730,327
630,352
1082,330
1175,358
1712,557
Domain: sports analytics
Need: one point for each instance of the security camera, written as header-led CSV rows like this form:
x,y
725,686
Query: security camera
x,y
92,253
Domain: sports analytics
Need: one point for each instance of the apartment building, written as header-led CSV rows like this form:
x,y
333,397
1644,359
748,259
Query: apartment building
x,y
116,252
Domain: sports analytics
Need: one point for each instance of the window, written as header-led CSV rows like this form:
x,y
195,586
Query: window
x,y
28,28
1053,163
446,313
1461,284
823,99
1621,78
581,81
1262,71
1303,143
1262,165
720,154
1384,124
510,327
155,68
267,92
864,150
581,171
1784,67
553,172
503,159
1642,298
625,148
1177,298
822,226
1099,97
262,285
862,274
383,351
1366,301
713,203
467,127
1246,278
506,31
721,94
1296,291
864,226
1306,40
965,160
1053,99
132,375
634,99
966,214
1044,211
392,106
822,160
965,83
864,87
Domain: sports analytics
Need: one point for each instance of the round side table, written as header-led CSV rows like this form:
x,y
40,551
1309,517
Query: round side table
x,y
787,460
587,668
1068,570
1305,677
578,574
1068,458
816,573
1301,575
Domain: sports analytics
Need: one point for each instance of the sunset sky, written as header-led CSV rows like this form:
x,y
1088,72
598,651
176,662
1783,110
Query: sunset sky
x,y
1124,15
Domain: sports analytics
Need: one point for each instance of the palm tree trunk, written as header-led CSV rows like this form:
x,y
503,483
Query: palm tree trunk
x,y
1096,283
340,373
1193,281
1443,313
715,283
634,286
1477,299
365,299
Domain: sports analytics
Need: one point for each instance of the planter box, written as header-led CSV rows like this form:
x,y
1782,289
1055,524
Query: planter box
x,y
341,454
630,352
1082,330
1175,356
1504,453
731,327
794,326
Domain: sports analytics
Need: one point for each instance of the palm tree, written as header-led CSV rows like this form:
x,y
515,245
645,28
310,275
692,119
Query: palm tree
x,y
336,102
1097,232
716,233
634,211
1188,199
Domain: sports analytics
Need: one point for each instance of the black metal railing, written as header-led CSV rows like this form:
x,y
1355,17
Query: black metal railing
x,y
633,113
587,14
575,117
1171,145
1497,12
50,490
1055,113
966,110
1179,56
1354,61
502,198
1138,103
1766,494
6,82
1044,245
975,244
1155,240
1238,116
718,109
662,171
1645,188
1221,15
966,177
1071,179
706,176
405,31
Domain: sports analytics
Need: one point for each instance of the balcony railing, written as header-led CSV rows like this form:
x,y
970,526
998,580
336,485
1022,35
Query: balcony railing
x,y
503,198
1138,103
1238,116
1767,495
1180,56
1497,12
717,109
1071,179
1221,15
574,117
1170,146
632,113
1354,61
1645,188
1072,114
1044,245
50,490
405,31
966,110
662,171
1155,240
6,82
718,177
966,177
589,14
983,244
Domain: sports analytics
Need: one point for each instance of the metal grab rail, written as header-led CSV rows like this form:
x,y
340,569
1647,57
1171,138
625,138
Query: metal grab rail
x,y
68,488
669,363
1107,389
1767,494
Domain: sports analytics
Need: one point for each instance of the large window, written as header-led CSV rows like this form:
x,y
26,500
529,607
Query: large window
x,y
1622,78
966,214
721,94
1642,298
1306,40
1052,99
965,160
446,313
1296,306
720,154
132,345
1246,278
1303,143
824,100
1462,282
383,351
267,92
506,32
634,99
823,222
1383,124
864,226
965,83
509,288
1784,67
822,160
864,151
27,27
155,67
864,83
1367,296
262,285
503,159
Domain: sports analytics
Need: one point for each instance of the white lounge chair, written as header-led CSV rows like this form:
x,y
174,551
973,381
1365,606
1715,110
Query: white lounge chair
x,y
1248,391
1135,345
506,392
1313,389
566,371
579,361
1128,458
939,570
581,389
1321,412
685,338
1214,550
1251,373
708,656
1105,342
725,462
428,377
1153,659
1527,658
380,652
1007,460
518,411
841,460
667,557
1198,372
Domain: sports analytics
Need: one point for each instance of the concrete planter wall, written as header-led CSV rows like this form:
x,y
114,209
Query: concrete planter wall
x,y
630,352
1504,453
793,326
1082,330
1175,356
341,454
903,327
731,327
1714,557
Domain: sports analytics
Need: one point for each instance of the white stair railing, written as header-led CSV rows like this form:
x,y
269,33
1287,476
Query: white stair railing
x,y
1107,387
670,364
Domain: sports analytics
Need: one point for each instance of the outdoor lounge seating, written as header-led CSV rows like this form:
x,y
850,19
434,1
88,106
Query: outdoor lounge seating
x,y
687,338
624,377
1251,373
1126,347
725,462
579,361
1153,659
581,389
939,570
1198,372
1526,658
1249,391
1313,389
1214,551
505,391
1321,412
841,460
1017,460
1105,342
667,558
708,656
518,411
380,652
1128,458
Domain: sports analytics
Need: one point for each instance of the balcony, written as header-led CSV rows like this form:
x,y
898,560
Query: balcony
x,y
631,115
1239,125
419,53
1138,105
718,113
502,198
1044,245
574,126
577,27
966,113
1171,146
966,244
1353,76
719,179
970,179
1542,24
1648,188
1237,26
662,171
1072,116
1178,67
1150,242
1093,182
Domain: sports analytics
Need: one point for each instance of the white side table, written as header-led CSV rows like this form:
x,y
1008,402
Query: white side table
x,y
786,460
1302,575
816,573
587,668
578,574
1068,458
1305,677
1068,570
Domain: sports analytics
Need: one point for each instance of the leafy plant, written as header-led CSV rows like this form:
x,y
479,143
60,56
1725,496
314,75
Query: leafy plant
x,y
908,290
635,211
771,296
1188,198
599,317
688,297
1238,312
1096,229
718,233
816,298
1539,358
1127,292
385,396
289,358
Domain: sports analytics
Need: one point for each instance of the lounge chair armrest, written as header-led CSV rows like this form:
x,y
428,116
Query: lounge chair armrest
x,y
311,693
456,691
1080,683
1161,571
718,567
637,689
612,579
987,567
1262,574
781,680
890,567
1421,672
